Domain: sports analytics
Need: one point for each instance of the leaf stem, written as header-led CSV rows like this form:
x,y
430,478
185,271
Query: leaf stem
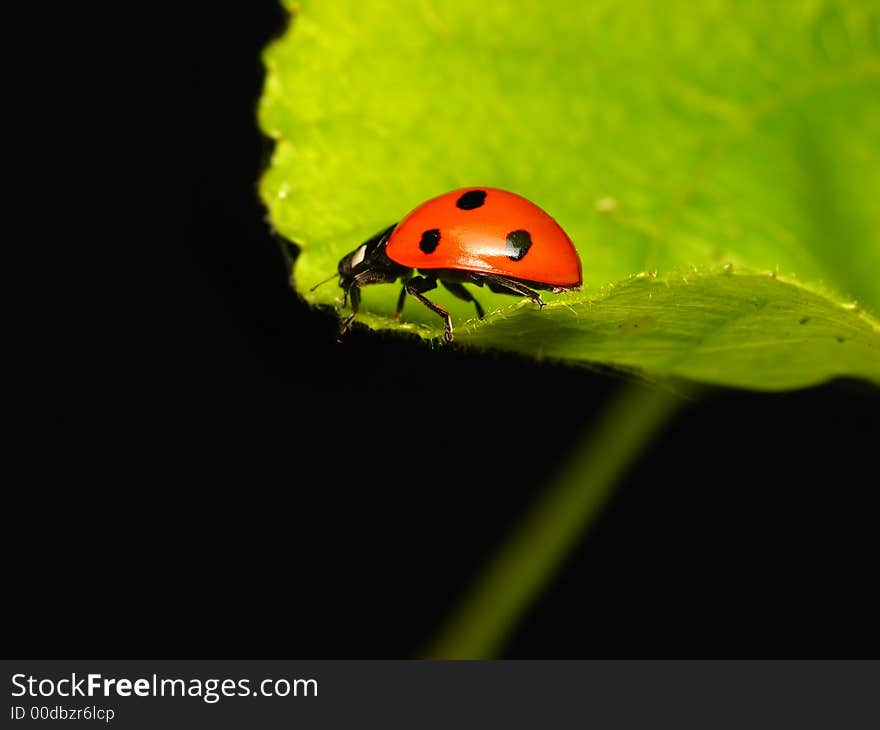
x,y
524,565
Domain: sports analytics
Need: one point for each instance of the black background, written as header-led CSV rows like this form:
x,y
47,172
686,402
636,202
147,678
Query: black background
x,y
212,475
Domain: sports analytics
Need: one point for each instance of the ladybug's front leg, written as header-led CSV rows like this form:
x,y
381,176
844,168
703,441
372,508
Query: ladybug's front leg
x,y
353,293
419,284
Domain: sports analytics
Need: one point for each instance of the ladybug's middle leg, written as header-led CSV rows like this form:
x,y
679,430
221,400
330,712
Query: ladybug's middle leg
x,y
401,300
419,284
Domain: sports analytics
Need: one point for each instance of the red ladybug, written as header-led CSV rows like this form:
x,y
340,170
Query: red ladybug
x,y
467,236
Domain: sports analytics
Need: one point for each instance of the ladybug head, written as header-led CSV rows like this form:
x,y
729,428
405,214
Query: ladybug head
x,y
366,255
367,264
352,264
350,267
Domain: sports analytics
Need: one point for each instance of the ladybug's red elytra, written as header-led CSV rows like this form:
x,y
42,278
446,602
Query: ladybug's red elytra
x,y
467,236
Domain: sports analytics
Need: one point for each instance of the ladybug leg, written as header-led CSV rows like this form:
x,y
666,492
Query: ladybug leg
x,y
462,293
419,284
503,285
354,293
400,302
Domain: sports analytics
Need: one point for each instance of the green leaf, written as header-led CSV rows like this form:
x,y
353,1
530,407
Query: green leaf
x,y
531,554
715,163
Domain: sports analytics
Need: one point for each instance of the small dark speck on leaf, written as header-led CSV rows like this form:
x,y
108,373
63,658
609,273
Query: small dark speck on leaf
x,y
803,320
637,324
840,339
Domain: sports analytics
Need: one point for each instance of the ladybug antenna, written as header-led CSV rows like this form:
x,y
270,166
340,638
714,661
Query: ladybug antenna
x,y
324,281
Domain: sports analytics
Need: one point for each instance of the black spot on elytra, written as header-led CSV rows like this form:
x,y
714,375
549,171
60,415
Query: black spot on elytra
x,y
518,244
471,199
430,239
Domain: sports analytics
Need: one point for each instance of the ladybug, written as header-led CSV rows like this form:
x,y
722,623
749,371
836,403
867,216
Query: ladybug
x,y
480,236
